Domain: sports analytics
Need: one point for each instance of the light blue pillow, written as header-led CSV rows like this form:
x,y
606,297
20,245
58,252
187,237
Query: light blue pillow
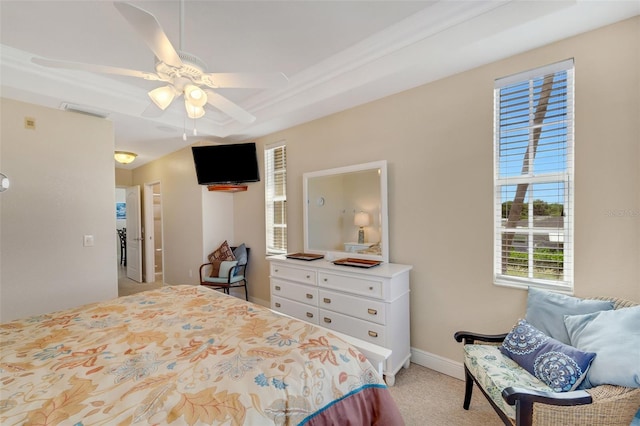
x,y
615,337
560,366
225,266
546,311
240,253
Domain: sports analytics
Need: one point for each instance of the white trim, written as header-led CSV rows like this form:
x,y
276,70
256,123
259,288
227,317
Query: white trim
x,y
437,363
277,144
565,65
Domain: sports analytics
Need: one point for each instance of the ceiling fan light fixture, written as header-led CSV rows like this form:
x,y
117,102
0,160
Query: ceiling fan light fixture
x,y
163,96
124,157
193,111
195,95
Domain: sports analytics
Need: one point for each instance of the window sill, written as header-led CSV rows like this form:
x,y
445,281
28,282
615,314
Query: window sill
x,y
525,284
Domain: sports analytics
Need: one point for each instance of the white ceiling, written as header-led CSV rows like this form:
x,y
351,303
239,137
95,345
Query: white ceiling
x,y
336,54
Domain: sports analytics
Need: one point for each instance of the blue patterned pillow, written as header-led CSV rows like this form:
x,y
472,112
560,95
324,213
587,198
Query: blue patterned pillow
x,y
560,366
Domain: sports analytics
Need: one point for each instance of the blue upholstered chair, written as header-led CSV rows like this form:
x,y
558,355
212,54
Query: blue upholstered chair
x,y
232,273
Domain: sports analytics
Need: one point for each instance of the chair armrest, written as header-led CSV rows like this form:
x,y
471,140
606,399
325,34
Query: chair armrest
x,y
579,397
469,337
525,398
201,269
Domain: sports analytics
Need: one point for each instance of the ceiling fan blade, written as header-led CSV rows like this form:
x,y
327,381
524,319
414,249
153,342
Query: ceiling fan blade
x,y
94,68
245,80
229,108
148,27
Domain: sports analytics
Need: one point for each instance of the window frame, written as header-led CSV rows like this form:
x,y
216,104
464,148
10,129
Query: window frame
x,y
271,197
564,178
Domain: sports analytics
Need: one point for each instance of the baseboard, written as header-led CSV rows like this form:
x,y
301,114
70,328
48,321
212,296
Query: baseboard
x,y
259,302
438,363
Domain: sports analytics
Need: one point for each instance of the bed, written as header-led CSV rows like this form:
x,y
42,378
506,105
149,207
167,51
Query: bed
x,y
183,355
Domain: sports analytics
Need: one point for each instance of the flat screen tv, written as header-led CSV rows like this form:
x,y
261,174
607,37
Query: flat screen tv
x,y
226,164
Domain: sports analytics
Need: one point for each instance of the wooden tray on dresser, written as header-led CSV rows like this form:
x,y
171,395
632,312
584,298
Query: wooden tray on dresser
x,y
358,263
304,256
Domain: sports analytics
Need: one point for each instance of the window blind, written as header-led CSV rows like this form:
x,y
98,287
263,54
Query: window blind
x,y
533,177
276,198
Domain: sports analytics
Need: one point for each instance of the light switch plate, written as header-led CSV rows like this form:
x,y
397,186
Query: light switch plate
x,y
88,241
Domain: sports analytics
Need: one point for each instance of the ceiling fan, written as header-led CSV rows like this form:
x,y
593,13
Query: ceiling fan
x,y
184,72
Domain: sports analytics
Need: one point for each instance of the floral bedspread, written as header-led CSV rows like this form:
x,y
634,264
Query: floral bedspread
x,y
183,355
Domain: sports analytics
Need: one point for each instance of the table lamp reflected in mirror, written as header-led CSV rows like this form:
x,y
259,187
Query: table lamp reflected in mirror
x,y
361,219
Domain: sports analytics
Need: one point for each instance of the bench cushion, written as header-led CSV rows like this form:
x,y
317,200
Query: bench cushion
x,y
495,372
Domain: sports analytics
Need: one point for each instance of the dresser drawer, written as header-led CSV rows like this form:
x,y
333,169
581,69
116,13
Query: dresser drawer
x,y
306,276
298,292
295,309
366,309
353,285
364,330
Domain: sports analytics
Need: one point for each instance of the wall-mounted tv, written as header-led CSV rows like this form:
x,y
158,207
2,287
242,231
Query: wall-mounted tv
x,y
226,164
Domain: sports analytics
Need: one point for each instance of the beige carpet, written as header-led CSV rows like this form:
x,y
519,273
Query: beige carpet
x,y
127,286
426,397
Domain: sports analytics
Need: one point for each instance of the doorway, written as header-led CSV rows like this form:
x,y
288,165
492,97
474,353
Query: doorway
x,y
121,224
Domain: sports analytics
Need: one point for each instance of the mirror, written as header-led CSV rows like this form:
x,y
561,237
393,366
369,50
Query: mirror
x,y
345,212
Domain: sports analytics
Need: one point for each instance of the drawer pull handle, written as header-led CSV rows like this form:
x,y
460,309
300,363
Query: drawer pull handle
x,y
277,305
277,288
373,334
309,314
371,288
326,300
276,270
308,276
325,280
372,311
327,320
309,296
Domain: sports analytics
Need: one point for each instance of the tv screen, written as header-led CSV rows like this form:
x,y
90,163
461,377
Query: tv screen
x,y
219,164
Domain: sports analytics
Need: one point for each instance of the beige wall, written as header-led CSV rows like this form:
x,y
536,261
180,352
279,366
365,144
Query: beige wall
x,y
438,141
61,189
124,177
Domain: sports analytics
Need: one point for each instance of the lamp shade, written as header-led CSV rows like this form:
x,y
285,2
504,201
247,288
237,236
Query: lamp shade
x,y
124,157
361,219
194,95
163,96
193,111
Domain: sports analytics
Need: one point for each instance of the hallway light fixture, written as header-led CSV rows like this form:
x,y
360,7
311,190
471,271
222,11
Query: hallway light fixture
x,y
4,182
124,157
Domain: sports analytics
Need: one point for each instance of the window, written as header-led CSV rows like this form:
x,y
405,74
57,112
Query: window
x,y
533,178
275,159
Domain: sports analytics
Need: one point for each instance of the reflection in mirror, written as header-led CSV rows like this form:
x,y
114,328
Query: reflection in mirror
x,y
346,211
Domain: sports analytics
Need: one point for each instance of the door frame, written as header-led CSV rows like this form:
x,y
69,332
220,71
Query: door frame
x,y
149,233
134,234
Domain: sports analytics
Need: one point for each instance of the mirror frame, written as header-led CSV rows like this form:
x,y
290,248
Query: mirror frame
x,y
384,213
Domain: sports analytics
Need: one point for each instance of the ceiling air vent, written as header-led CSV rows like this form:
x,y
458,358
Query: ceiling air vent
x,y
83,109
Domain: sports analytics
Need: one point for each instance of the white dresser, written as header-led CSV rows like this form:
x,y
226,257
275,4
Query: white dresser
x,y
369,304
